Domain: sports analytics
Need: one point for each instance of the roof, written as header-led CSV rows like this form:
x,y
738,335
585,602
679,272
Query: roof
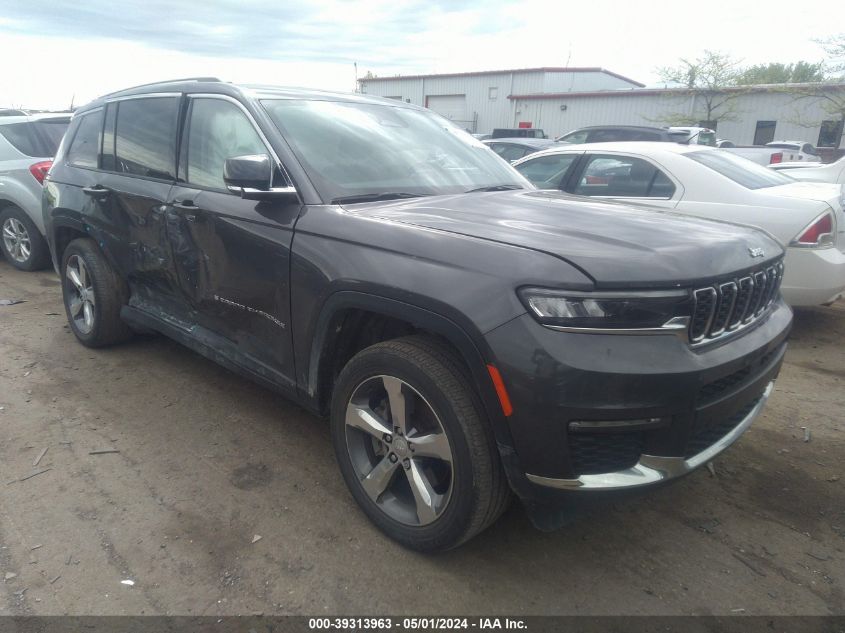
x,y
645,92
40,116
542,69
633,147
213,85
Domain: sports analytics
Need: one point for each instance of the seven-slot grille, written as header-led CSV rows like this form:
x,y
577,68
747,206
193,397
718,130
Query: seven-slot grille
x,y
726,307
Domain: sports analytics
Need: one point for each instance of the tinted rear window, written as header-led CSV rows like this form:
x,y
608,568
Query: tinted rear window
x,y
145,143
36,138
741,170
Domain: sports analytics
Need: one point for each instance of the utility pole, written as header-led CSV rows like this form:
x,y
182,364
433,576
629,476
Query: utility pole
x,y
356,75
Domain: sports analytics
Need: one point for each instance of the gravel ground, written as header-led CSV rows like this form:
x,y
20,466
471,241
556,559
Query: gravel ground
x,y
208,462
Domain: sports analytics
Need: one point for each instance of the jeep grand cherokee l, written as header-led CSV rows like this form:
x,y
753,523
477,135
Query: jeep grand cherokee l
x,y
466,334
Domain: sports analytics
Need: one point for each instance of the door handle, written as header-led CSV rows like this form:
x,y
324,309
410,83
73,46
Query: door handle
x,y
186,205
97,192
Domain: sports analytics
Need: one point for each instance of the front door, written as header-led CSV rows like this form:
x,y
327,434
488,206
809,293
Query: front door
x,y
232,255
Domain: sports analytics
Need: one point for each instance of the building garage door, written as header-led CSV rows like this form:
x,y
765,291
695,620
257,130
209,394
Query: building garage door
x,y
453,107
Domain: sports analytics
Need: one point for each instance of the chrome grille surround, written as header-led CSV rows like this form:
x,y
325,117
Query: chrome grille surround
x,y
724,308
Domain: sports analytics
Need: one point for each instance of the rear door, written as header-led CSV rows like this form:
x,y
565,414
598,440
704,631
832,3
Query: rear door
x,y
138,170
232,254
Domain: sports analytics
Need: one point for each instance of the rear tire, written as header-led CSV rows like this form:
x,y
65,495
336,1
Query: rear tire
x,y
22,244
93,295
439,491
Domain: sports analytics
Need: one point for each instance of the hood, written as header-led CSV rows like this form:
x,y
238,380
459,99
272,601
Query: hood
x,y
615,244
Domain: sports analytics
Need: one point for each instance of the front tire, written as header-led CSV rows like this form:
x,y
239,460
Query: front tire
x,y
93,295
413,445
22,244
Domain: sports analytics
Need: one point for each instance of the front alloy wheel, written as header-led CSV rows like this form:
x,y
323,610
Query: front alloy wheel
x,y
414,445
399,450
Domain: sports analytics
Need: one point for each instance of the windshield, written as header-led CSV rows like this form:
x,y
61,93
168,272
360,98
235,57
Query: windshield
x,y
362,149
741,170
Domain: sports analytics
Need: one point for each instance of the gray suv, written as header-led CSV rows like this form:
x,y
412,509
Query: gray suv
x,y
28,143
465,334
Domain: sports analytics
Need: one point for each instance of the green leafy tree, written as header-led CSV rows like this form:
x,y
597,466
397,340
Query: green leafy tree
x,y
707,77
776,73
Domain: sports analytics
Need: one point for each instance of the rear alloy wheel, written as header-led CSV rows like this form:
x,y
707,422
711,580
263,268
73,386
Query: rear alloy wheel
x,y
82,301
414,446
22,244
93,295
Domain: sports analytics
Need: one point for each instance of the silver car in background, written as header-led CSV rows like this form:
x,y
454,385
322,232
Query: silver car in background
x,y
28,143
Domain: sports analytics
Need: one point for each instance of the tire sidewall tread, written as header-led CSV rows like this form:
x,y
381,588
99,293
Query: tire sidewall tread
x,y
110,295
478,496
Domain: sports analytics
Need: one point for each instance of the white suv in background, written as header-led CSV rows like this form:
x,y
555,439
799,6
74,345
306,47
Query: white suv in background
x,y
28,143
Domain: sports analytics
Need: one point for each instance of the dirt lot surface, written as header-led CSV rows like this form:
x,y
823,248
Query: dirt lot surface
x,y
208,461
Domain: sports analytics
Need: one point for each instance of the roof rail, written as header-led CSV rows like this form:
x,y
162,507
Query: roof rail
x,y
166,81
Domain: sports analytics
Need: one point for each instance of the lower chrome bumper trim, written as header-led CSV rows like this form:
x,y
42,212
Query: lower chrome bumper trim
x,y
652,469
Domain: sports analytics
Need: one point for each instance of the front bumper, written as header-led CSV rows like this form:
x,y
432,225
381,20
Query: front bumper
x,y
653,469
575,397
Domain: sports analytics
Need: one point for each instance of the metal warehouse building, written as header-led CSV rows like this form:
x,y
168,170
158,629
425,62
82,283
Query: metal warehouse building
x,y
561,99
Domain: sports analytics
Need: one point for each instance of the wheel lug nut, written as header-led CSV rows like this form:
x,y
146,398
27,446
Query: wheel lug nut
x,y
392,457
406,463
387,437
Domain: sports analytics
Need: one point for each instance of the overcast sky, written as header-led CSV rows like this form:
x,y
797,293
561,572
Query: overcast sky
x,y
54,51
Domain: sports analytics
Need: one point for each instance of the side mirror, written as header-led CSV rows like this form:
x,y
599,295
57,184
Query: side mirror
x,y
251,177
248,172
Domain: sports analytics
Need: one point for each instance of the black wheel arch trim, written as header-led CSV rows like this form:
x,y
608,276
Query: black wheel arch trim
x,y
472,349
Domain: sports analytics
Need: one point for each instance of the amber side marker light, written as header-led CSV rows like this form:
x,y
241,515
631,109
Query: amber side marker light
x,y
504,398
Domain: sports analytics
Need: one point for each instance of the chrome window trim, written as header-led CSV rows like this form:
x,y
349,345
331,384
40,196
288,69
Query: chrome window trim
x,y
149,95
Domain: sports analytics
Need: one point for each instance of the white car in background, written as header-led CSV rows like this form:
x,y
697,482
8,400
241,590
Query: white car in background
x,y
806,217
831,172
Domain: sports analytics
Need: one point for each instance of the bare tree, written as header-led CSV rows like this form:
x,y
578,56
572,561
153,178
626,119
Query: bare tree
x,y
712,83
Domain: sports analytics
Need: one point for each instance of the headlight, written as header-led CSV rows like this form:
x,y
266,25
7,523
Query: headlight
x,y
646,311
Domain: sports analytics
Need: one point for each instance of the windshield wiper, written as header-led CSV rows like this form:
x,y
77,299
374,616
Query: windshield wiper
x,y
377,196
494,188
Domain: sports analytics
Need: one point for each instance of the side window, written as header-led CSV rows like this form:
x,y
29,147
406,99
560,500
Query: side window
x,y
547,172
623,177
145,139
217,130
85,146
576,137
510,152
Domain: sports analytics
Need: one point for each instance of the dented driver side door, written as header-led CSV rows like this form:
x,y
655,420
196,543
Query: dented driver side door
x,y
232,255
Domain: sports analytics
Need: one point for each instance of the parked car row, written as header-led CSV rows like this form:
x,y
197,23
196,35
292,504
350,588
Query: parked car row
x,y
468,336
28,143
808,219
